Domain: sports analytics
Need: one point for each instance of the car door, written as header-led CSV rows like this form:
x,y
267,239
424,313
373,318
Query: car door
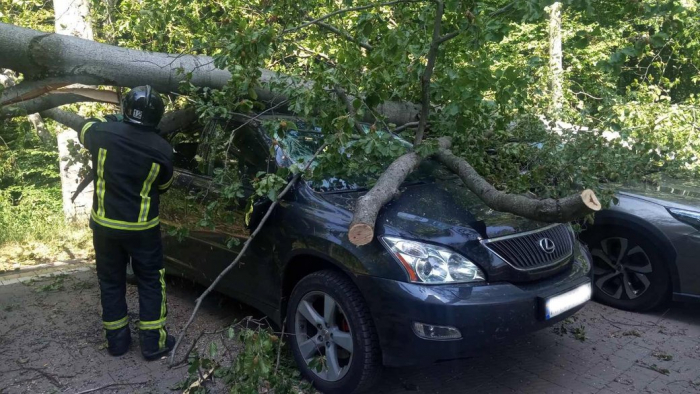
x,y
179,212
218,232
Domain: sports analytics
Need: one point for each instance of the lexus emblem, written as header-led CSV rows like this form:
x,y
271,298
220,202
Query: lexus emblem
x,y
547,245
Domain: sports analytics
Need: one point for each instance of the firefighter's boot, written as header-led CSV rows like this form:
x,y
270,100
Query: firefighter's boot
x,y
155,343
118,341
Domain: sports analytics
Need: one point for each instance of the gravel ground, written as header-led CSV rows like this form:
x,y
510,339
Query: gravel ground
x,y
51,341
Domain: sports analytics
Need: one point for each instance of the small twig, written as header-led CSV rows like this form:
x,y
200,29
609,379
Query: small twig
x,y
194,343
110,385
200,381
405,126
241,253
279,347
344,10
345,35
626,324
502,10
250,120
351,109
449,36
52,379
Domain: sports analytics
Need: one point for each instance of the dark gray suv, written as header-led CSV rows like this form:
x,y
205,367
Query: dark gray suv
x,y
646,249
444,276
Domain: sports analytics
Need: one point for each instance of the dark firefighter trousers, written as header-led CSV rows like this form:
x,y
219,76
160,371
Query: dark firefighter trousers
x,y
146,251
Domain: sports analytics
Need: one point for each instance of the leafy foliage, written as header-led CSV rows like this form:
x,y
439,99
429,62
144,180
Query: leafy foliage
x,y
259,365
631,81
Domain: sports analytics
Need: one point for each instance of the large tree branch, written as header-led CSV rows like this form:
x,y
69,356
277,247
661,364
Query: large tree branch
x,y
56,99
27,90
361,231
66,118
64,59
7,80
547,210
428,74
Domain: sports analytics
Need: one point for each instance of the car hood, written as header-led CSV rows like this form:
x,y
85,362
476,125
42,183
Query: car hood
x,y
439,206
669,197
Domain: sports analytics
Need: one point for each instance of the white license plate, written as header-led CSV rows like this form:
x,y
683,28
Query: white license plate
x,y
561,303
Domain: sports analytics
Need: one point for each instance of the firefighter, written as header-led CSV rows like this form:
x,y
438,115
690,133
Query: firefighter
x,y
132,167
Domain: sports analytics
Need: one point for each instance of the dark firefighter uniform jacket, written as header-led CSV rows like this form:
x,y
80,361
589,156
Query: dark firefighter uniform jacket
x,y
132,166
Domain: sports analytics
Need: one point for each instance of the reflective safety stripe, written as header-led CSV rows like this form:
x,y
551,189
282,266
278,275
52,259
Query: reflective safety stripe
x,y
117,324
146,190
161,339
121,225
101,157
85,128
152,325
166,184
163,309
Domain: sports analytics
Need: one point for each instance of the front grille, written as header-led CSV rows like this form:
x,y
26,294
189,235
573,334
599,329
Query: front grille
x,y
526,251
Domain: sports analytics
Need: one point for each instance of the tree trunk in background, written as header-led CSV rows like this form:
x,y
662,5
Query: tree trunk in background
x,y
556,70
72,19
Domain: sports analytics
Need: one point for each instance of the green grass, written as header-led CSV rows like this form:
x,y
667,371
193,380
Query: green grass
x,y
34,229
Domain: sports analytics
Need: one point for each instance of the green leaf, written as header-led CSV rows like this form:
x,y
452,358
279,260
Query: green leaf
x,y
212,350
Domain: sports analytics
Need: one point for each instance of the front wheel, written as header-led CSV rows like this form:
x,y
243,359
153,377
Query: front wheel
x,y
628,271
333,338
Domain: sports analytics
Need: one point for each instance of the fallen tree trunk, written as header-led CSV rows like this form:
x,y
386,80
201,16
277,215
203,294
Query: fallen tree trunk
x,y
50,60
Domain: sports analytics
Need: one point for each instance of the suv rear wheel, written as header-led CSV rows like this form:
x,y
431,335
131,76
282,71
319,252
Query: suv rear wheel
x,y
333,338
628,272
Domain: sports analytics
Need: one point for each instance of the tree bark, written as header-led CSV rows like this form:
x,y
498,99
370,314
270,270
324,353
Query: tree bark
x,y
58,98
547,210
59,59
361,231
7,80
556,70
38,122
72,19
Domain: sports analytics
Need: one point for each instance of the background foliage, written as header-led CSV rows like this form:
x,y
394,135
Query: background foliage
x,y
631,80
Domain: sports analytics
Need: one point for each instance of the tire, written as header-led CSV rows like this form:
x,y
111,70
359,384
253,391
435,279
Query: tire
x,y
349,319
638,281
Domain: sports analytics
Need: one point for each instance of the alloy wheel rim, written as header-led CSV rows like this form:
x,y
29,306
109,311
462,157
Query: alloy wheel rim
x,y
323,336
621,268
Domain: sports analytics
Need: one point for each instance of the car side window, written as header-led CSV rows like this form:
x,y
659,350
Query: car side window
x,y
185,143
248,152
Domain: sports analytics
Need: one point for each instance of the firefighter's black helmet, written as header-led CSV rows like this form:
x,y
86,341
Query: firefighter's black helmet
x,y
143,106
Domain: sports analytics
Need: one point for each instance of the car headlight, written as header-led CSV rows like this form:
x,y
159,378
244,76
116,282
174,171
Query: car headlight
x,y
427,263
688,217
